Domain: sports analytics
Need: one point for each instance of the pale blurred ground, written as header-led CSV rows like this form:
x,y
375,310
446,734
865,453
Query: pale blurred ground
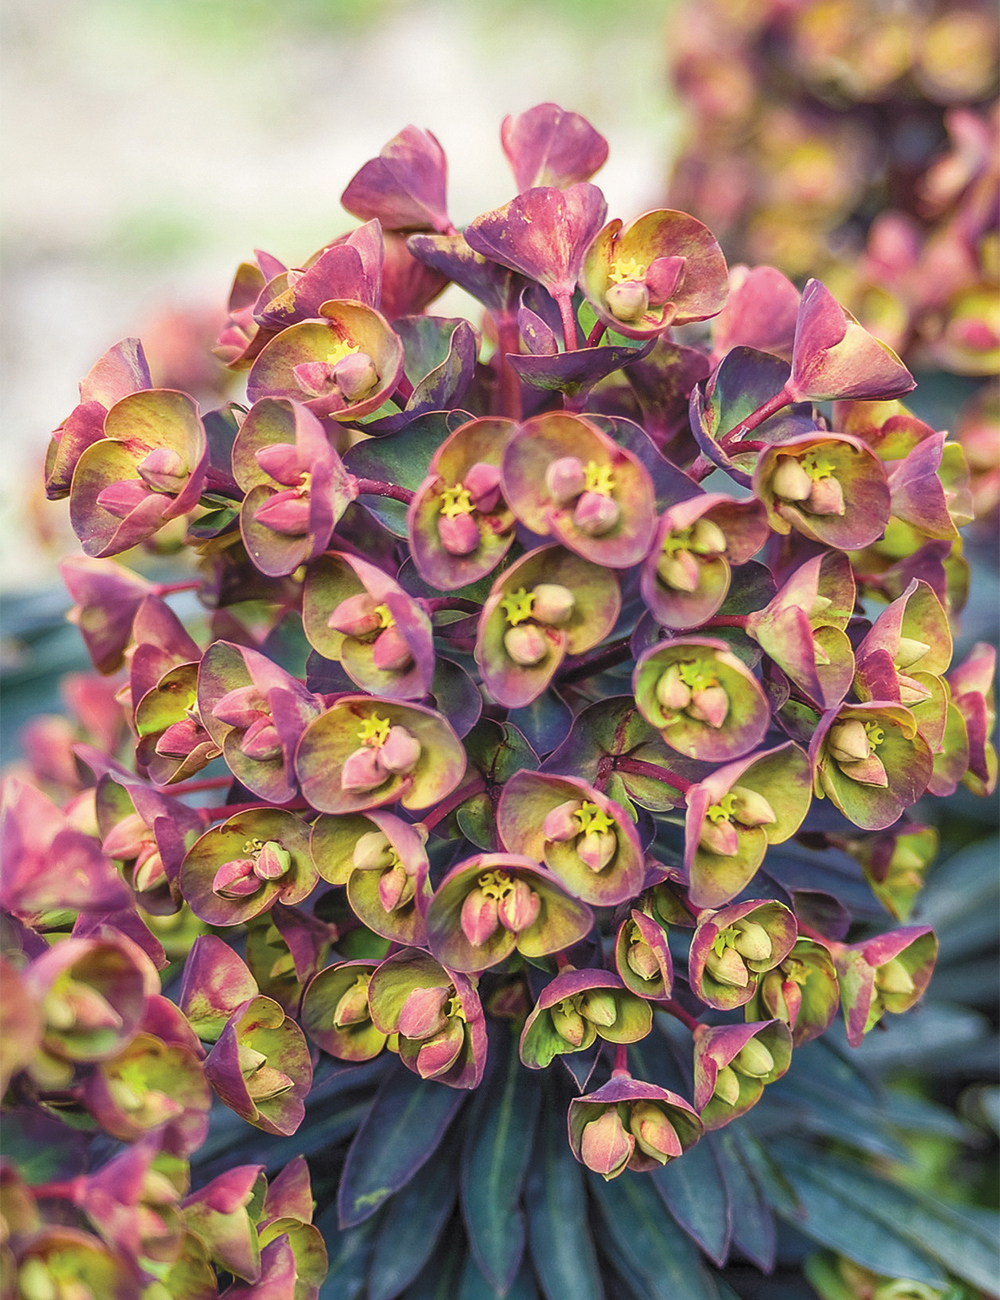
x,y
150,145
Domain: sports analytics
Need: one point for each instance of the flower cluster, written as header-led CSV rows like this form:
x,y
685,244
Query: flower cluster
x,y
509,717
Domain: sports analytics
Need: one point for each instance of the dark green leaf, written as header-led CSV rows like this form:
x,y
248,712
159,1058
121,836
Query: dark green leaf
x,y
753,1222
545,722
497,1150
476,1287
440,1278
349,1254
561,1248
695,1195
407,1121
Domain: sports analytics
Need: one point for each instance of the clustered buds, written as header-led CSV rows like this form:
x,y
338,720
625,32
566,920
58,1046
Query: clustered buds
x,y
479,648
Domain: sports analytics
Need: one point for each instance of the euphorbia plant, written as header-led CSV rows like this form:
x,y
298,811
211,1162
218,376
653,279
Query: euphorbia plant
x,y
503,823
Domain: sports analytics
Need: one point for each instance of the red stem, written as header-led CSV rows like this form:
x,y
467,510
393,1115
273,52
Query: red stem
x,y
565,302
373,487
638,767
621,1062
762,413
727,620
168,588
677,1011
475,787
700,468
584,666
223,811
206,783
404,388
596,334
508,342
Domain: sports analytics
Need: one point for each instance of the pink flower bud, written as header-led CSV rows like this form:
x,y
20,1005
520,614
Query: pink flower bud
x,y
352,1009
261,740
719,837
599,1007
519,908
671,691
395,888
121,498
460,535
422,1014
282,462
605,1147
752,941
483,485
681,571
663,276
654,1133
553,604
826,498
355,376
751,808
165,470
642,960
179,739
565,479
868,771
595,514
356,616
597,848
241,707
847,741
727,967
790,481
439,1054
390,651
707,538
273,861
286,513
315,378
236,879
910,690
149,871
128,839
568,1023
362,771
560,824
526,644
400,752
627,300
710,705
479,917
371,853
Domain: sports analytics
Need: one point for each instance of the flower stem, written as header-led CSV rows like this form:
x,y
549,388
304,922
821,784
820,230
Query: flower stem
x,y
373,487
727,620
621,1062
509,386
224,811
596,334
477,786
638,767
168,588
404,388
677,1011
565,302
206,783
762,413
584,666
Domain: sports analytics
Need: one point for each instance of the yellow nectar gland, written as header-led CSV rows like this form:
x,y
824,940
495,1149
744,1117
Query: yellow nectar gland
x,y
495,884
626,268
374,731
456,501
454,1008
697,677
385,618
252,848
590,818
817,465
874,733
518,606
341,350
723,810
600,479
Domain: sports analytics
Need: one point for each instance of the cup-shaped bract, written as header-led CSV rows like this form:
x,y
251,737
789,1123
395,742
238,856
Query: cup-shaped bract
x,y
629,1124
733,947
586,840
152,1085
642,956
255,713
21,1024
803,629
829,487
490,904
664,268
354,612
404,188
903,656
244,866
870,761
547,145
216,981
887,973
835,357
148,834
336,1013
296,486
173,743
341,367
733,1064
704,701
382,861
364,752
92,994
548,604
578,1007
802,991
563,477
437,1015
685,577
759,313
459,525
223,1216
973,696
150,467
122,370
735,813
54,1258
349,268
260,1067
543,233
106,599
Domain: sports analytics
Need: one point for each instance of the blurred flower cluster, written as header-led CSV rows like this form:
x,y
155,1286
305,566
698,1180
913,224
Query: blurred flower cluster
x,y
508,718
858,140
